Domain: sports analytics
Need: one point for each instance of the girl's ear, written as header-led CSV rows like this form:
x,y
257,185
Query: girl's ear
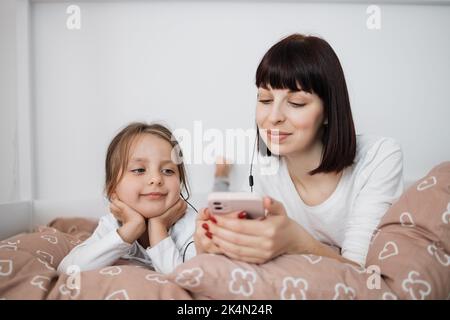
x,y
113,196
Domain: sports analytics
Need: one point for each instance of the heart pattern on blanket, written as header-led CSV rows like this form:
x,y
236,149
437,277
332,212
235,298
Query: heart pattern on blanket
x,y
75,242
242,282
10,245
343,292
39,282
417,288
6,267
390,249
294,289
50,238
190,277
446,215
313,259
45,263
439,254
427,183
46,256
71,292
406,220
112,271
156,277
389,296
407,259
118,295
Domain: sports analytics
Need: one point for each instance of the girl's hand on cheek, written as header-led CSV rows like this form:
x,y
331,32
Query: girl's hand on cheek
x,y
133,223
169,217
158,227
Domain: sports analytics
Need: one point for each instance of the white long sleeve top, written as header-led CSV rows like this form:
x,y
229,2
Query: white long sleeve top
x,y
105,246
348,217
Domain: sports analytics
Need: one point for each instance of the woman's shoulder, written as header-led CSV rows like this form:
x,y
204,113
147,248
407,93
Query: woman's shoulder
x,y
372,150
267,170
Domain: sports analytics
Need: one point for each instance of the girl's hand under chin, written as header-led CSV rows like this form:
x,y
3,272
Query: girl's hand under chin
x,y
169,217
133,223
158,227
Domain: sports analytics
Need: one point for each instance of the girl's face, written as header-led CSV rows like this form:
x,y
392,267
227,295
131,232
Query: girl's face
x,y
151,183
290,121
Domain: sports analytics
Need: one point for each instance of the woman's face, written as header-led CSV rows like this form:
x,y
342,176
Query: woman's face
x,y
151,183
289,122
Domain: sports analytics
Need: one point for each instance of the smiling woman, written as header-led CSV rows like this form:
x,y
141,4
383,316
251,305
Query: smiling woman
x,y
332,187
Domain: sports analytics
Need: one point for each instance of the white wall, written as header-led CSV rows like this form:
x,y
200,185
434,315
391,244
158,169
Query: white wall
x,y
15,123
8,102
181,62
15,107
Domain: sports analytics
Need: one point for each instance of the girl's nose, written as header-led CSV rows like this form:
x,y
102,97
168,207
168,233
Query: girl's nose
x,y
155,180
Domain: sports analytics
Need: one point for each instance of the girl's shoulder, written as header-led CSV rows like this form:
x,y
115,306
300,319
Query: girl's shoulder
x,y
187,220
108,221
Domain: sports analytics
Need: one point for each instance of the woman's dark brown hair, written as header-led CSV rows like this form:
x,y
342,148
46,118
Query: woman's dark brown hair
x,y
118,153
308,63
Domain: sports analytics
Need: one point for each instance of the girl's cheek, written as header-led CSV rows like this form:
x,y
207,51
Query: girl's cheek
x,y
128,190
174,183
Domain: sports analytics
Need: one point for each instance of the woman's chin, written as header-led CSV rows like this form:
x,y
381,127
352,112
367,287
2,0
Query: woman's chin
x,y
279,150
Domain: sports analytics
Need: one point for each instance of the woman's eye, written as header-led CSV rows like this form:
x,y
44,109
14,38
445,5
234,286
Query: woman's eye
x,y
168,172
138,171
297,105
265,101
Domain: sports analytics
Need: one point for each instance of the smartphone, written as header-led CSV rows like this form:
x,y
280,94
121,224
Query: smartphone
x,y
226,202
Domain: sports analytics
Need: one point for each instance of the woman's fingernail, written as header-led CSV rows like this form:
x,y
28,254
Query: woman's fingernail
x,y
205,226
208,234
213,219
242,215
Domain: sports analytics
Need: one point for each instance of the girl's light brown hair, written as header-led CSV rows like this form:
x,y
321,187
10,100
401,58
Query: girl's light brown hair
x,y
119,149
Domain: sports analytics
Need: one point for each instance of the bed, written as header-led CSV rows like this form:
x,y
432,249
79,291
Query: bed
x,y
408,259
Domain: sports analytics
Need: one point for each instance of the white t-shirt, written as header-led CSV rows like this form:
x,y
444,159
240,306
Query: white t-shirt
x,y
352,212
105,246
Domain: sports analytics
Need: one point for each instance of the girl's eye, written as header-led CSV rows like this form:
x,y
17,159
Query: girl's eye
x,y
138,171
297,105
168,172
265,101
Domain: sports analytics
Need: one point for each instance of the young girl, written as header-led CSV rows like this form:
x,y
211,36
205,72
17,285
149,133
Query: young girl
x,y
148,221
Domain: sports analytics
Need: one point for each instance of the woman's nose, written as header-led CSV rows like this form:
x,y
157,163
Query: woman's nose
x,y
276,114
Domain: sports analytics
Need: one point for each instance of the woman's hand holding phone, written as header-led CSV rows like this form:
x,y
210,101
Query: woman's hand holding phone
x,y
258,240
229,203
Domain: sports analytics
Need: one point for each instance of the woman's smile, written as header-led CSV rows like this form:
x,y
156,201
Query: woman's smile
x,y
277,136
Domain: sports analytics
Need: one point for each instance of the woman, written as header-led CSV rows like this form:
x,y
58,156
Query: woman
x,y
331,188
